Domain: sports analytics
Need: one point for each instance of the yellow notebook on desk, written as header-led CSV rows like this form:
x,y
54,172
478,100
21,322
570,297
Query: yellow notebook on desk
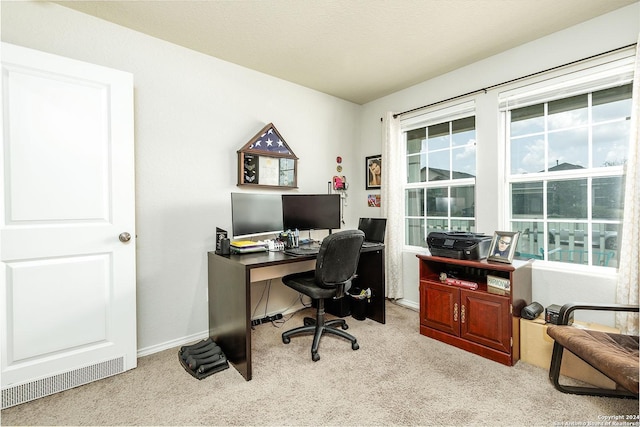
x,y
248,246
245,243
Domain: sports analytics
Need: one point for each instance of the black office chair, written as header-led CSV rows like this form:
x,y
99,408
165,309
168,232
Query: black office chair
x,y
335,269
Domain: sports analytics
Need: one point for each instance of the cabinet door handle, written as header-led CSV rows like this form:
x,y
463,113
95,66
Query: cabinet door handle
x,y
455,312
462,310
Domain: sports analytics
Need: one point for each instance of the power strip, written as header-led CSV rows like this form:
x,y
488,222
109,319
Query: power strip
x,y
267,319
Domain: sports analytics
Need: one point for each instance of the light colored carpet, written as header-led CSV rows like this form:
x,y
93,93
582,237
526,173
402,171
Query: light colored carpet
x,y
397,377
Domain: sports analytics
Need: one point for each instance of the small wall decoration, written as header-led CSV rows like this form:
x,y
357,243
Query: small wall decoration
x,y
373,200
373,168
339,181
503,246
267,160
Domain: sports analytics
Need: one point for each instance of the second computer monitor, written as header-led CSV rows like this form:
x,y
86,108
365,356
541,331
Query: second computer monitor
x,y
311,211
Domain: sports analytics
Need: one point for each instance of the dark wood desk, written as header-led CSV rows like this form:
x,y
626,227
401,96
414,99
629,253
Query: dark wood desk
x,y
230,279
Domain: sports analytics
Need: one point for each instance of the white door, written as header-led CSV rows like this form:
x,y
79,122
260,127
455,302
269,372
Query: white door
x,y
67,281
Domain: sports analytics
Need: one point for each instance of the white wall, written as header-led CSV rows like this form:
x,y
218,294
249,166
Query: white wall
x,y
192,113
551,285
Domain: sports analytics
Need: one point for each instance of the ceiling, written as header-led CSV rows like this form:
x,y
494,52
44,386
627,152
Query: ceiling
x,y
357,50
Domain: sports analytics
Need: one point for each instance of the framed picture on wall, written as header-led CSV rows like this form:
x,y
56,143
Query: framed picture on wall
x,y
503,246
373,168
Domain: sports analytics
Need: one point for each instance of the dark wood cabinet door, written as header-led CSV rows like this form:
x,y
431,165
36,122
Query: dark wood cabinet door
x,y
485,319
440,307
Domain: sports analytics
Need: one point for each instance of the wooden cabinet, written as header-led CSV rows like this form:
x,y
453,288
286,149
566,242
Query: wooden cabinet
x,y
484,321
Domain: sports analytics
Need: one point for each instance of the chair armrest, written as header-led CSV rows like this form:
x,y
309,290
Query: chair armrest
x,y
568,308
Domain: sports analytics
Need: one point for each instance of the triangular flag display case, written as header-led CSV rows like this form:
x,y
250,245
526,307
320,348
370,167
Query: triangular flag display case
x,y
267,161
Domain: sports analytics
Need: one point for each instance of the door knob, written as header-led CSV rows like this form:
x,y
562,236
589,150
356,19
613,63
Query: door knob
x,y
124,237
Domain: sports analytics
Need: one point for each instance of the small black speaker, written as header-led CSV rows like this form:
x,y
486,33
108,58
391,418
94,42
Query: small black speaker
x,y
225,248
531,311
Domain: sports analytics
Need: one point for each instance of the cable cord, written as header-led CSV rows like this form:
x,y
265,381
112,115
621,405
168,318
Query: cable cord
x,y
253,314
279,323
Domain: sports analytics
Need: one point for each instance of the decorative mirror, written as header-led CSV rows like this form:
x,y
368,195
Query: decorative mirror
x,y
267,161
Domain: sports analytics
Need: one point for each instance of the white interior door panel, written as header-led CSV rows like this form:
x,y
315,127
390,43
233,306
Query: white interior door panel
x,y
67,281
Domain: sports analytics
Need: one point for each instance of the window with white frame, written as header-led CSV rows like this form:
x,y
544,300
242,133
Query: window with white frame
x,y
440,165
567,141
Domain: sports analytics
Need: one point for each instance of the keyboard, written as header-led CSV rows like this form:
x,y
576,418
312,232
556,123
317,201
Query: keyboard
x,y
303,251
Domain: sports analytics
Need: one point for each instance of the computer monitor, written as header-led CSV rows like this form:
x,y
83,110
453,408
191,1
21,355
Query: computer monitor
x,y
373,229
311,211
254,214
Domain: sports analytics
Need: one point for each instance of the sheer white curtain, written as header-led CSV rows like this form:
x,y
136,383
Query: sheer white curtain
x,y
391,204
627,289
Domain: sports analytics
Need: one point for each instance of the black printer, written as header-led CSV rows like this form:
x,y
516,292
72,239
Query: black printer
x,y
458,245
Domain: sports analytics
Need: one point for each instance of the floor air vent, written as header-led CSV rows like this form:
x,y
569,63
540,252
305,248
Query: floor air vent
x,y
22,393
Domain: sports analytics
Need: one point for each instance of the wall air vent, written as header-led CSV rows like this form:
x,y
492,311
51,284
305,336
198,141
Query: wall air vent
x,y
15,395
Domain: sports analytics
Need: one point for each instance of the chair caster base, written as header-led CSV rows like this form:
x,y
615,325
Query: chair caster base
x,y
319,327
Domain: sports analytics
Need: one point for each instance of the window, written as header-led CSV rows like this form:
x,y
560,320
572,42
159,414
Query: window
x,y
440,173
566,157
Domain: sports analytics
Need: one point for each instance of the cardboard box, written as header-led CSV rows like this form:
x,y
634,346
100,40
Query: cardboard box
x,y
536,348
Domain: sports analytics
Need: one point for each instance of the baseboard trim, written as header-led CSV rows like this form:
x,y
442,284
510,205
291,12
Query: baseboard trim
x,y
190,339
407,304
